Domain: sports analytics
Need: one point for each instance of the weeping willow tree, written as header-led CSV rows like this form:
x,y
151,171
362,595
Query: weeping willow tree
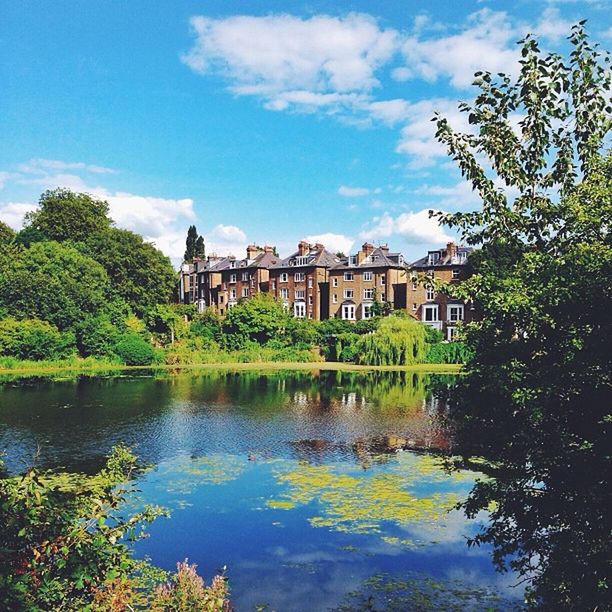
x,y
397,341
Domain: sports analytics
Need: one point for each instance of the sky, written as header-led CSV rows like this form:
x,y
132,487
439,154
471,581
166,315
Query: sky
x,y
260,122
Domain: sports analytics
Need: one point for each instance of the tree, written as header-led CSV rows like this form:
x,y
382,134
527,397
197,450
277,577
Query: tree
x,y
534,403
140,274
65,215
190,243
53,282
6,233
200,248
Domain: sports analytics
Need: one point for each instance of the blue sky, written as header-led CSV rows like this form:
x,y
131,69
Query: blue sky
x,y
263,122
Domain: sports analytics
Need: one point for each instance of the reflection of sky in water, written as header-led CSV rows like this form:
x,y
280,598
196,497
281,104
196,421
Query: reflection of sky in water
x,y
291,480
307,553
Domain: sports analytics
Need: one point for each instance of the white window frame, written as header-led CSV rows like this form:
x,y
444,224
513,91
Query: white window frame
x,y
414,306
284,277
368,294
366,311
348,312
310,282
245,276
349,294
382,280
245,292
299,310
455,313
451,332
299,277
284,294
302,260
456,274
300,294
334,282
430,308
232,278
334,298
349,276
368,276
430,293
232,295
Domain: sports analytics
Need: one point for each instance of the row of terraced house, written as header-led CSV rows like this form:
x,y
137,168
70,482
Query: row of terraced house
x,y
316,284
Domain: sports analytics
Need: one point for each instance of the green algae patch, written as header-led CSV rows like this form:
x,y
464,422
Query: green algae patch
x,y
369,503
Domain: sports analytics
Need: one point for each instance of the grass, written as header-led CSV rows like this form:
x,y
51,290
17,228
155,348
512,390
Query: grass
x,y
15,368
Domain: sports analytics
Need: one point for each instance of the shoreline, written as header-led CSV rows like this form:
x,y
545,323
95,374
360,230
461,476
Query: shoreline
x,y
432,368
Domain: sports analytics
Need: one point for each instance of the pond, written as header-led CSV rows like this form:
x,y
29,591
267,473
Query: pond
x,y
317,490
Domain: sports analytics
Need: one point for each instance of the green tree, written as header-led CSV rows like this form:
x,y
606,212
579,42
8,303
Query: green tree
x,y
65,215
534,403
397,341
6,233
34,339
200,248
53,282
258,319
190,243
139,274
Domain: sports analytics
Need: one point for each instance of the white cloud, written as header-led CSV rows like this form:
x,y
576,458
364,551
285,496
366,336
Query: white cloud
x,y
485,43
41,165
285,59
12,213
389,111
4,177
333,242
552,26
413,227
226,240
459,195
353,192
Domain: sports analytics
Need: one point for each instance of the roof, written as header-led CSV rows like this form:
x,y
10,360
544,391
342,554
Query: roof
x,y
443,258
263,260
380,258
316,257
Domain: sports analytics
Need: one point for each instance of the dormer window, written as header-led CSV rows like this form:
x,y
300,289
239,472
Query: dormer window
x,y
232,264
301,261
352,260
433,257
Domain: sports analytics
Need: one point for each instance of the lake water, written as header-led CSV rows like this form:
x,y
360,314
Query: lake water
x,y
298,482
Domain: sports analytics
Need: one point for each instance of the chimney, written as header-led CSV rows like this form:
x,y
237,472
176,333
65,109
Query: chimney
x,y
319,246
367,248
303,248
252,251
268,249
451,249
384,248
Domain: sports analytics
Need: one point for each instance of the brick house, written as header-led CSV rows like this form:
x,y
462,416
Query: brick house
x,y
223,281
301,281
358,280
433,308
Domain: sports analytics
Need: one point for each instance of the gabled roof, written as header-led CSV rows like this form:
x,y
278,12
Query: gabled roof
x,y
380,258
316,257
444,258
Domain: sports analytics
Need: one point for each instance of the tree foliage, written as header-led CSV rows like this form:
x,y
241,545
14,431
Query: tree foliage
x,y
194,245
534,403
6,233
34,340
65,215
397,341
53,282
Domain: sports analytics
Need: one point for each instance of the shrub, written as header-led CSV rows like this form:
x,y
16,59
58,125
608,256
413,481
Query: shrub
x,y
97,336
35,340
134,350
448,352
433,335
397,341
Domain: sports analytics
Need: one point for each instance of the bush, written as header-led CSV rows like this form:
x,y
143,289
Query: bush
x,y
35,340
433,335
206,324
448,352
397,341
97,336
134,350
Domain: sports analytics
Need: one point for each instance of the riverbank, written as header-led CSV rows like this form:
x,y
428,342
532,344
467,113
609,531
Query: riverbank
x,y
92,366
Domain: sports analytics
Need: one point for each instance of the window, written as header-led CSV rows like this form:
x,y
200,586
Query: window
x,y
368,294
367,276
430,294
352,260
245,292
310,300
299,277
454,312
366,311
348,294
310,282
334,282
382,279
299,310
382,296
284,277
348,276
335,298
245,276
300,294
456,274
232,264
451,332
348,312
232,278
284,294
414,284
232,294
310,315
414,306
430,313
301,261
433,257
220,299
